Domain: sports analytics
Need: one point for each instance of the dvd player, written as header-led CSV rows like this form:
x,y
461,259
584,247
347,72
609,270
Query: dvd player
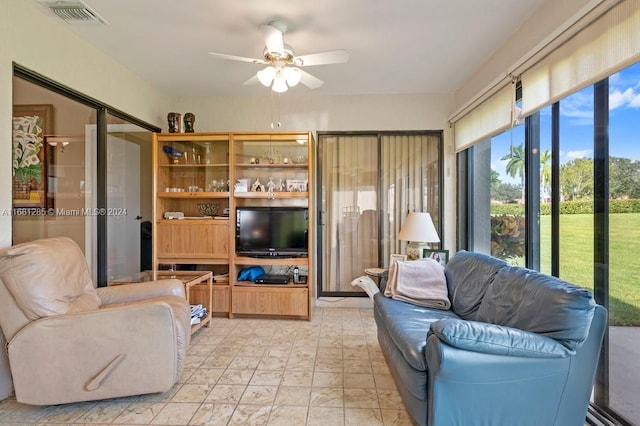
x,y
272,279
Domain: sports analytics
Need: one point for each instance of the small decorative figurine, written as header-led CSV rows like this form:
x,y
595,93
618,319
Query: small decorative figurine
x,y
257,186
271,185
189,119
172,120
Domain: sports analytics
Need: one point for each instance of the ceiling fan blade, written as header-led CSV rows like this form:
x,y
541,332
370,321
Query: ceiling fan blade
x,y
252,80
238,58
273,39
310,81
322,58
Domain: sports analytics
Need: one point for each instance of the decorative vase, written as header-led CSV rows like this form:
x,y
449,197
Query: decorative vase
x,y
21,189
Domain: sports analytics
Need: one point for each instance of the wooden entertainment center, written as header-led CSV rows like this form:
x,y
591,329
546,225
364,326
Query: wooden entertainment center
x,y
199,182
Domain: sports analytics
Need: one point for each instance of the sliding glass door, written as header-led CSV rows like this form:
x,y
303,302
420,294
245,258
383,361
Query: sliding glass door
x,y
129,199
368,184
88,177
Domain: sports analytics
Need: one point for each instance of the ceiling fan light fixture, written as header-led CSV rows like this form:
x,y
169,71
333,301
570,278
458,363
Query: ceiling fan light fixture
x,y
292,75
279,83
266,75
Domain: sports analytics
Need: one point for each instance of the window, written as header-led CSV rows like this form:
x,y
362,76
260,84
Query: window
x,y
587,199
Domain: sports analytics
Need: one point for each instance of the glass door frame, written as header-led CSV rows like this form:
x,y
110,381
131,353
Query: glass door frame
x,y
101,156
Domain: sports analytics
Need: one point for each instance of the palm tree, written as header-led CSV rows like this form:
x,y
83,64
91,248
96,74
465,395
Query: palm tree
x,y
545,171
515,166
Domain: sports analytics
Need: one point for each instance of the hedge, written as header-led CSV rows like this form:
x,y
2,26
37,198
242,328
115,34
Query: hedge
x,y
568,207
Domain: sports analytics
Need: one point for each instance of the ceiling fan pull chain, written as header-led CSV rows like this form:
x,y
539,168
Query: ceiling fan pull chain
x,y
271,104
278,102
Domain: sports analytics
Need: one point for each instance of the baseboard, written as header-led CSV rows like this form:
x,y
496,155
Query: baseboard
x,y
344,302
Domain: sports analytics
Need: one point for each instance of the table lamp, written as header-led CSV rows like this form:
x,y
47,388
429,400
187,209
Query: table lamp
x,y
418,229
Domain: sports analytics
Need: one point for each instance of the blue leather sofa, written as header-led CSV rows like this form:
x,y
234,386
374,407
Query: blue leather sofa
x,y
517,347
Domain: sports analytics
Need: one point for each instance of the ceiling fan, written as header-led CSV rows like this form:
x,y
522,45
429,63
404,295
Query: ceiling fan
x,y
283,66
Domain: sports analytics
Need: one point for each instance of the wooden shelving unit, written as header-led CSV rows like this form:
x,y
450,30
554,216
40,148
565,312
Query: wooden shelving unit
x,y
196,169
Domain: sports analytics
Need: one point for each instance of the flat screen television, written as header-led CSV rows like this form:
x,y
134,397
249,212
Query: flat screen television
x,y
272,231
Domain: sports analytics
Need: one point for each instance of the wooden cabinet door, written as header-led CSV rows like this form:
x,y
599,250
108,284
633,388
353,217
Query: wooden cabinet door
x,y
193,239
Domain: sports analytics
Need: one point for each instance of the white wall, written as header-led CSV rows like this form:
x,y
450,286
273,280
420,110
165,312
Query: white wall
x,y
31,39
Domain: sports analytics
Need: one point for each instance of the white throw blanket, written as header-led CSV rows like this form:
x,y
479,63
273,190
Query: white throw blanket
x,y
420,282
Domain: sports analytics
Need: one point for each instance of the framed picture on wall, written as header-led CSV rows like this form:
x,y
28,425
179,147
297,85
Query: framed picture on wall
x,y
442,256
31,123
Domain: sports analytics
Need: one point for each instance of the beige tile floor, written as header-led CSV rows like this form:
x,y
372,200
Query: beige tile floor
x,y
328,371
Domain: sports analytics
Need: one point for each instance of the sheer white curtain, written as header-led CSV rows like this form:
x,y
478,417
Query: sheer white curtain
x,y
410,174
349,189
371,180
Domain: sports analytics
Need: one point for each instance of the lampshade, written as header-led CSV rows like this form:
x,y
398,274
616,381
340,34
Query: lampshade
x,y
292,75
418,228
266,75
279,82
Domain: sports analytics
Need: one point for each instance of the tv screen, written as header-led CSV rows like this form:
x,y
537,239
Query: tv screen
x,y
272,231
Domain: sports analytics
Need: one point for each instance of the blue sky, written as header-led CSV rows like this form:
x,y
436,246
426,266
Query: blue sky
x,y
576,124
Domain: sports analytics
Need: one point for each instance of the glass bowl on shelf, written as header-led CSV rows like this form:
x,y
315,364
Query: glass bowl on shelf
x,y
174,154
299,159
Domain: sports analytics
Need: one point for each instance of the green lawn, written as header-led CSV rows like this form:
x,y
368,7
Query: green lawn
x,y
576,259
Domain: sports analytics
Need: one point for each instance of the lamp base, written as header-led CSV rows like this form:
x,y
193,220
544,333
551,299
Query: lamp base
x,y
415,250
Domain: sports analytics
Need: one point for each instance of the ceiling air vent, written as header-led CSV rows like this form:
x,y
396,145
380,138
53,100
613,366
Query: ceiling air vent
x,y
74,11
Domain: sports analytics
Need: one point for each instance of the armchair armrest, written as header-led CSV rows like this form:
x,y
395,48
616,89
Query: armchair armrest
x,y
496,339
58,359
126,293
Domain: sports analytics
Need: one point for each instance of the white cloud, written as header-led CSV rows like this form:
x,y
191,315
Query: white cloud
x,y
628,97
578,107
572,155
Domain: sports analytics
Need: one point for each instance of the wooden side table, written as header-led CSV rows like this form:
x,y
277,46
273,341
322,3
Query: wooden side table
x,y
197,288
377,273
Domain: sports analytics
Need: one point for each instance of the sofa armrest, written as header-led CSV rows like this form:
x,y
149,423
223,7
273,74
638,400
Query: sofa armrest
x,y
134,292
486,388
496,339
58,359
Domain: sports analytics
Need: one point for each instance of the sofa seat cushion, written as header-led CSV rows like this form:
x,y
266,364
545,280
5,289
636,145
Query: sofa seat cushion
x,y
408,324
528,300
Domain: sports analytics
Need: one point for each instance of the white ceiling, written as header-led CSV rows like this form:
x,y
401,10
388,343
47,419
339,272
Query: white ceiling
x,y
395,46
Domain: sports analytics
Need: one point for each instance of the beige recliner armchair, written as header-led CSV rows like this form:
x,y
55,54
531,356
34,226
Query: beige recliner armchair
x,y
68,341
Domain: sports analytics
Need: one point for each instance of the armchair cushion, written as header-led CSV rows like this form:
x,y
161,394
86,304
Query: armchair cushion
x,y
496,339
48,277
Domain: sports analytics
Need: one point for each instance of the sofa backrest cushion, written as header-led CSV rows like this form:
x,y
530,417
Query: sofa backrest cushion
x,y
531,301
468,276
48,277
